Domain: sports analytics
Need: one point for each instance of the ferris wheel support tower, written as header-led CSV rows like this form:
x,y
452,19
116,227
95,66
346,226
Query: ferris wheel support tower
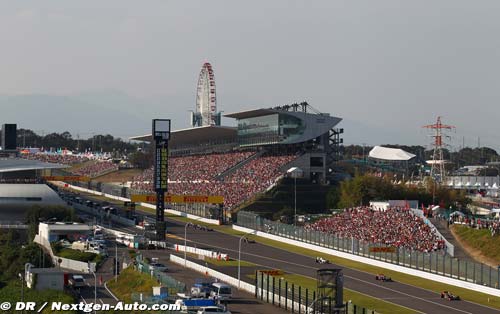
x,y
438,163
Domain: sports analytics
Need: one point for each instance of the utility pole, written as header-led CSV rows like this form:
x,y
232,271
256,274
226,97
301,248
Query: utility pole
x,y
438,163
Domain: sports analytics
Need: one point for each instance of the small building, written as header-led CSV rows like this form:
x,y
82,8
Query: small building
x,y
384,205
70,231
45,278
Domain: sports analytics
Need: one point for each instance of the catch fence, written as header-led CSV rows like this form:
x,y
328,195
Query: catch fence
x,y
299,299
437,262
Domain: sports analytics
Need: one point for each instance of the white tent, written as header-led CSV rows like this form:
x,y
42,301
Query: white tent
x,y
391,154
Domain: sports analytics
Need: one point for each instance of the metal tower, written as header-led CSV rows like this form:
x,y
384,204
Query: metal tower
x,y
437,167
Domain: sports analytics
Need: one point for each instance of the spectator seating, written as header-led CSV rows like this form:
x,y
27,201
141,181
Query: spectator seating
x,y
394,227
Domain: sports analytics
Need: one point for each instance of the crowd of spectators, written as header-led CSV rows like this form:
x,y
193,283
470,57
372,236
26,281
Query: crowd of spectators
x,y
477,223
96,168
395,227
56,158
197,175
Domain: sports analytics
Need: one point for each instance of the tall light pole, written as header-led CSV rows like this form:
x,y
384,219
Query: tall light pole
x,y
95,288
185,243
295,172
239,257
21,277
295,197
185,240
116,262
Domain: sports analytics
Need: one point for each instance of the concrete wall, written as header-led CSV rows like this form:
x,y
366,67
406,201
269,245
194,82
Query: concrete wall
x,y
197,251
49,280
377,263
65,262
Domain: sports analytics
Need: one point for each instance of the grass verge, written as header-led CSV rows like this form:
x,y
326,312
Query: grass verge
x,y
130,281
479,240
11,291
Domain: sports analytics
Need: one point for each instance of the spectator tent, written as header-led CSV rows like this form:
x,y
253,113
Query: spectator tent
x,y
390,154
396,158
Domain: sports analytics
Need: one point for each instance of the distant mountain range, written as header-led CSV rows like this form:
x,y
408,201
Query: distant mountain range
x,y
86,113
121,115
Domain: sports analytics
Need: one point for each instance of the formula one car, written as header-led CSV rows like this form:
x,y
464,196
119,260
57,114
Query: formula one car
x,y
449,296
383,277
321,260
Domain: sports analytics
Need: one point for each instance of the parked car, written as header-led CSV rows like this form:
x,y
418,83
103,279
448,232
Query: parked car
x,y
158,267
213,309
200,291
221,291
77,281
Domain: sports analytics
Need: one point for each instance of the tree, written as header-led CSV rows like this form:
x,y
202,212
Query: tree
x,y
364,188
141,160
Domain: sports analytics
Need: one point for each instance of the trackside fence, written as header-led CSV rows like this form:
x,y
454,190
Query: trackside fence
x,y
437,262
173,286
273,290
297,299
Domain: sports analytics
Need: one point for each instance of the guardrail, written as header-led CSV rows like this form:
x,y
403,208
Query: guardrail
x,y
198,251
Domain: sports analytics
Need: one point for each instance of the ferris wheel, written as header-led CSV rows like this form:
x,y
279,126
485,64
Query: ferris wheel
x,y
206,100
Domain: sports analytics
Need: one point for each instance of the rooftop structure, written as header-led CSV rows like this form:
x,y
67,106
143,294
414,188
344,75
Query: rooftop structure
x,y
17,164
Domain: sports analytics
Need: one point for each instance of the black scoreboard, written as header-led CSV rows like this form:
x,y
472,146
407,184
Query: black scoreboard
x,y
161,136
9,137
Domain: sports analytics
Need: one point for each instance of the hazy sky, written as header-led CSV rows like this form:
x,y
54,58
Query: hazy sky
x,y
386,67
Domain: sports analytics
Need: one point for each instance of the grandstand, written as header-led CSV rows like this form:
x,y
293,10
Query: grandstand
x,y
89,165
240,163
21,188
395,226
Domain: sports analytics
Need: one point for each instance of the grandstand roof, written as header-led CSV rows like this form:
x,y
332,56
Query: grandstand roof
x,y
195,135
15,199
251,113
18,164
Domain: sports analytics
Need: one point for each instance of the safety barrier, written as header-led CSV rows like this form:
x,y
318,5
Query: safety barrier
x,y
197,251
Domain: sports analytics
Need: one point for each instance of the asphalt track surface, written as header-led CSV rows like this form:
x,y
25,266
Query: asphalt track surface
x,y
405,295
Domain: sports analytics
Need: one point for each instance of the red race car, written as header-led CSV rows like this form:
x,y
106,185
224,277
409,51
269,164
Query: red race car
x,y
382,277
449,296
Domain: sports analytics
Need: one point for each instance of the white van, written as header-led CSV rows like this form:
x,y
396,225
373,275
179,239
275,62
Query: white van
x,y
221,291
